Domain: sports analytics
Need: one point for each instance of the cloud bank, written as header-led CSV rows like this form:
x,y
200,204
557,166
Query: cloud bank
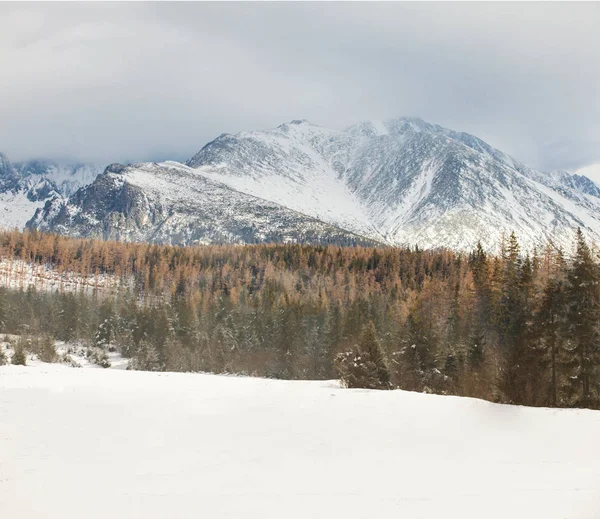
x,y
129,82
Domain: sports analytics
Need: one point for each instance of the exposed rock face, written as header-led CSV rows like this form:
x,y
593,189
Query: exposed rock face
x,y
171,203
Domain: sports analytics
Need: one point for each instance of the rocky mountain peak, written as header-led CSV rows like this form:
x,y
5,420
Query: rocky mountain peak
x,y
401,181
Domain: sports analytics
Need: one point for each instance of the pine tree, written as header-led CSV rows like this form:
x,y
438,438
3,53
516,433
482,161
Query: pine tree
x,y
483,291
146,358
451,367
67,318
416,361
370,344
509,318
316,352
19,356
3,308
516,325
476,350
583,356
105,333
551,321
47,349
364,365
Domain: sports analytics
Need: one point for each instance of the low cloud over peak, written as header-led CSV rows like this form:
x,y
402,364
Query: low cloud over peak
x,y
118,82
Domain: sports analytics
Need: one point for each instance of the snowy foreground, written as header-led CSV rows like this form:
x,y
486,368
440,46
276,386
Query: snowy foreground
x,y
99,443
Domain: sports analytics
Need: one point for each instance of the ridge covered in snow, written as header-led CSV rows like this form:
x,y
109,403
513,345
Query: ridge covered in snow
x,y
26,186
591,171
404,181
171,203
398,182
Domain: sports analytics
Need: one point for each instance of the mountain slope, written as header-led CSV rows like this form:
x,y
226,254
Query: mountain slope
x,y
65,178
405,181
172,203
25,187
401,182
592,172
285,165
9,177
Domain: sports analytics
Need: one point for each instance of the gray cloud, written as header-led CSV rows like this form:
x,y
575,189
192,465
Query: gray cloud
x,y
121,82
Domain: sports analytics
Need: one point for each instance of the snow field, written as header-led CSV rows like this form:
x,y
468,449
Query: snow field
x,y
109,443
71,354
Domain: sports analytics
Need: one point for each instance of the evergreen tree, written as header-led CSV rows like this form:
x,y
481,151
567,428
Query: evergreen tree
x,y
582,355
416,360
551,321
483,291
364,365
451,367
67,317
510,309
316,352
145,358
105,333
516,326
46,349
19,356
476,350
3,309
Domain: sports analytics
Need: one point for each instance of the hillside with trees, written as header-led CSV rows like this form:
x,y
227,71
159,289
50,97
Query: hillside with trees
x,y
510,328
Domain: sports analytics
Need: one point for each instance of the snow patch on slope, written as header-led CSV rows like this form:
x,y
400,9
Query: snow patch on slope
x,y
16,209
291,172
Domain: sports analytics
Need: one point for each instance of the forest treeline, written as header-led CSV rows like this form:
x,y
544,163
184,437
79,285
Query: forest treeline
x,y
511,328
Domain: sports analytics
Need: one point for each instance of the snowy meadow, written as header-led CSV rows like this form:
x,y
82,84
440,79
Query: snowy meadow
x,y
99,443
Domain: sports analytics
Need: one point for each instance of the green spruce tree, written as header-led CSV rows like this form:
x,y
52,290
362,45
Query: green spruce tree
x,y
583,302
365,366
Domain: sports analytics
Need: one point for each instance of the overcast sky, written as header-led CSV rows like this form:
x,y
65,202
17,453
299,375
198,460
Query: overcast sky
x,y
131,82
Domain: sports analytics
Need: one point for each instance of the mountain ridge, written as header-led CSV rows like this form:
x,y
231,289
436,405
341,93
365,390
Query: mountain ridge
x,y
401,182
168,203
405,181
26,186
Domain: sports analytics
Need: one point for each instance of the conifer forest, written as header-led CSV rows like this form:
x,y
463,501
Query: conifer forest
x,y
511,328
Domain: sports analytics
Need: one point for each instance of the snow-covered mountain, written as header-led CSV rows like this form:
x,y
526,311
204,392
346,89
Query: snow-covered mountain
x,y
66,178
172,203
404,181
9,177
592,171
26,186
401,182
